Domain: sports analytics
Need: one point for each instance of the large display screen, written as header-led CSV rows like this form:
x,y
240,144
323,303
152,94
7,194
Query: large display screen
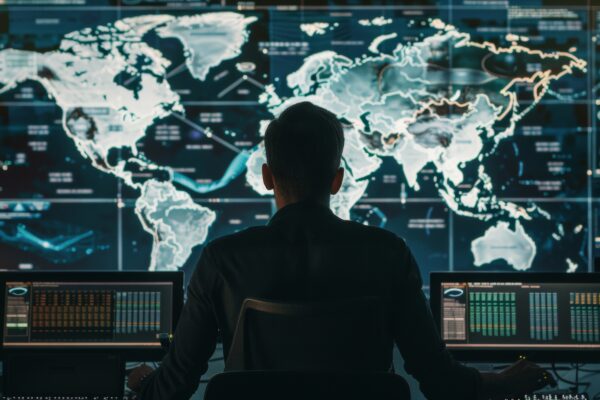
x,y
130,132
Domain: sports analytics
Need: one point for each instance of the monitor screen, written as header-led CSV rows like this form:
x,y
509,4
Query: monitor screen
x,y
479,312
87,314
89,310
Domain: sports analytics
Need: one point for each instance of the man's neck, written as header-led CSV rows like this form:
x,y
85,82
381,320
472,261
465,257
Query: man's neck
x,y
281,201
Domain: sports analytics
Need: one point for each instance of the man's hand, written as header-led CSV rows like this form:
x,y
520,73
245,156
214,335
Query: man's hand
x,y
137,375
522,377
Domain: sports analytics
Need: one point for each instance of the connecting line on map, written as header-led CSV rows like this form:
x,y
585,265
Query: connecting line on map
x,y
176,70
242,79
209,135
254,82
173,72
128,81
575,96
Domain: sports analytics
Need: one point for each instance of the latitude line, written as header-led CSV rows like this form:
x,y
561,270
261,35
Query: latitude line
x,y
366,200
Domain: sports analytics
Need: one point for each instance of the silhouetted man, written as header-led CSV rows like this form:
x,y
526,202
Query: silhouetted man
x,y
306,253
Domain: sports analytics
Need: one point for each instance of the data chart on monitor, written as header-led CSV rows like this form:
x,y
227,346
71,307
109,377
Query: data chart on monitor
x,y
520,315
86,314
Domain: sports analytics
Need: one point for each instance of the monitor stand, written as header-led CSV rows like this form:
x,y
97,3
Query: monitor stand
x,y
63,374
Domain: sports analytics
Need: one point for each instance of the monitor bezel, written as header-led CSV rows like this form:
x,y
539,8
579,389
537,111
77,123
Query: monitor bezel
x,y
507,355
126,353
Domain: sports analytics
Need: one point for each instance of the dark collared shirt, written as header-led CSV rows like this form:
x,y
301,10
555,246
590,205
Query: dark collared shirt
x,y
306,253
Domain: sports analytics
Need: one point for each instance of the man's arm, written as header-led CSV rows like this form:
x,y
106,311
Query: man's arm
x,y
194,341
428,360
417,338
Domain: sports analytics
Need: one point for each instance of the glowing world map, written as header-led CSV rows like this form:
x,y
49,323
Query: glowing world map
x,y
450,136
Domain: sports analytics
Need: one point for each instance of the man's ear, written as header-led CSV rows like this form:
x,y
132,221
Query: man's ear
x,y
337,181
267,177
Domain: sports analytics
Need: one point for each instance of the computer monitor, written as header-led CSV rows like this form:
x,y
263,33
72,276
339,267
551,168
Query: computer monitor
x,y
128,313
501,316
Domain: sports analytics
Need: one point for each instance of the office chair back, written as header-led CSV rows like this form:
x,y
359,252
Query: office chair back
x,y
342,335
278,385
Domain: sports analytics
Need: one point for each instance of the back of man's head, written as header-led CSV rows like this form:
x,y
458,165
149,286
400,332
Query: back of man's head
x,y
304,149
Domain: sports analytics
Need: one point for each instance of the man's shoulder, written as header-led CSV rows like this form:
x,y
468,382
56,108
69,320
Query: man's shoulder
x,y
371,234
349,233
244,238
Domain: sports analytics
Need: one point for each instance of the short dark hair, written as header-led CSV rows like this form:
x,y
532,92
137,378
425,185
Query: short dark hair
x,y
304,148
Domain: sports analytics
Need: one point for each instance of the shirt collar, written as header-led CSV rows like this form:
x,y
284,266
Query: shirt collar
x,y
305,207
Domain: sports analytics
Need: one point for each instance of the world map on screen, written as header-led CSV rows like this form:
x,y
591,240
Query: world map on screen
x,y
130,143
